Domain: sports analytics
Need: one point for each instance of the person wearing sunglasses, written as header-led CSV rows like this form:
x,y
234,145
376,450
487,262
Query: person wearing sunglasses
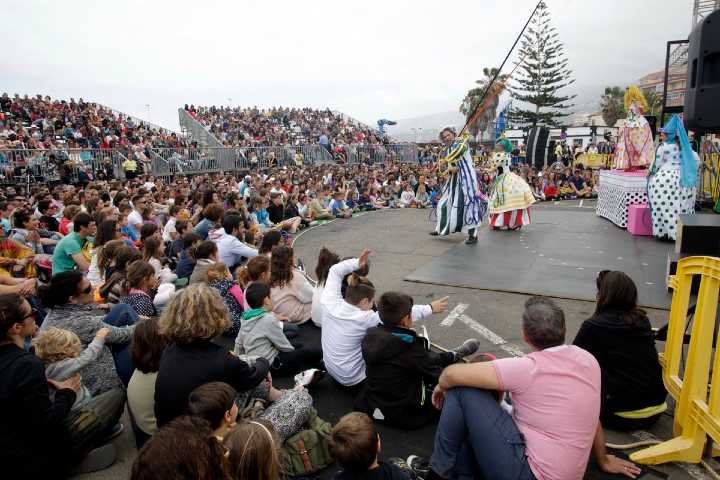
x,y
68,300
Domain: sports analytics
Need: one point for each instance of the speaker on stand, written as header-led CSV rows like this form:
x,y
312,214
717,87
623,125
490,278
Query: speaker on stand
x,y
537,147
702,94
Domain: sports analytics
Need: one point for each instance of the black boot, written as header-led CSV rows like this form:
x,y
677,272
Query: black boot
x,y
434,233
471,240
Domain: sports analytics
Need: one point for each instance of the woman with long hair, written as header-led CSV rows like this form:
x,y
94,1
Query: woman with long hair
x,y
291,293
68,299
107,231
620,337
326,259
191,320
253,451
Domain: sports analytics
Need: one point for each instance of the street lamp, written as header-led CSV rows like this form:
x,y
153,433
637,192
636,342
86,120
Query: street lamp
x,y
147,105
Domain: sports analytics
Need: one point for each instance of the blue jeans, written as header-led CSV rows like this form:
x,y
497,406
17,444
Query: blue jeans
x,y
477,439
122,315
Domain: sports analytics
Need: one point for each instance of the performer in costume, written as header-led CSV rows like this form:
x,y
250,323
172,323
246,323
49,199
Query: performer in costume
x,y
511,196
635,143
461,206
672,179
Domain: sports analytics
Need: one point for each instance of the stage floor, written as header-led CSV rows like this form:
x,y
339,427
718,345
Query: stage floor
x,y
558,255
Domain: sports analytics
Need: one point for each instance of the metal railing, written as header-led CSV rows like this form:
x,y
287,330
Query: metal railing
x,y
197,130
81,164
73,165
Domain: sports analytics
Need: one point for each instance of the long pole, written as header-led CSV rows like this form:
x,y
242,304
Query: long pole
x,y
497,73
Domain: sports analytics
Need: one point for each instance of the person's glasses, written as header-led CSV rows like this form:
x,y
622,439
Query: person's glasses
x,y
29,315
87,290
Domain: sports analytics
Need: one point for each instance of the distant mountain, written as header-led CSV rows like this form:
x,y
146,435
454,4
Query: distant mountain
x,y
427,128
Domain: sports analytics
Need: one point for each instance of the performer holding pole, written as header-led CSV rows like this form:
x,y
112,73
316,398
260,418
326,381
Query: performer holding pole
x,y
461,206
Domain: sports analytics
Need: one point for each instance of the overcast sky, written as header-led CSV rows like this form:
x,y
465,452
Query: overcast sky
x,y
370,59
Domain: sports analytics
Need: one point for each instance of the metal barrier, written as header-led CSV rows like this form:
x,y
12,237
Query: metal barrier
x,y
32,166
697,411
197,130
23,166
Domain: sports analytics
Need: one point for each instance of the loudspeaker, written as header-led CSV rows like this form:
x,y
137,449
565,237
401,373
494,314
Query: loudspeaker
x,y
537,146
702,90
698,234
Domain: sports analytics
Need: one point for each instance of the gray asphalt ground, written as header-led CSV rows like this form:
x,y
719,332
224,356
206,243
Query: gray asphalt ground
x,y
400,244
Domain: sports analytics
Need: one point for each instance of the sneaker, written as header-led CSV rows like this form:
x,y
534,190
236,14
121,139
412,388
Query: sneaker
x,y
468,347
471,240
419,465
434,233
479,357
403,465
309,377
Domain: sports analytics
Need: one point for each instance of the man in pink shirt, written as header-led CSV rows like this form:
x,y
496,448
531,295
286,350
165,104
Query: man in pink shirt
x,y
554,424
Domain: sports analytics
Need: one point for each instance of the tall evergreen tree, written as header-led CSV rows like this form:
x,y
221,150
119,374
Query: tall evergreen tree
x,y
543,73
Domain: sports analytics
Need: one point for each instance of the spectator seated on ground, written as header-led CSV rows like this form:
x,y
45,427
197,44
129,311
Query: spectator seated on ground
x,y
326,259
215,402
346,320
261,335
190,321
318,210
338,207
356,446
292,293
219,278
212,215
39,435
554,423
146,349
253,451
621,339
140,287
400,368
205,255
578,185
231,250
68,254
276,213
68,299
184,449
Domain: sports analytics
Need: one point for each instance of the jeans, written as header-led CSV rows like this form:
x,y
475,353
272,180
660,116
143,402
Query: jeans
x,y
91,423
477,439
122,315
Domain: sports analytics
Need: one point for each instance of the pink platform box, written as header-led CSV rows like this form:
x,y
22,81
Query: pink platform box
x,y
639,221
634,173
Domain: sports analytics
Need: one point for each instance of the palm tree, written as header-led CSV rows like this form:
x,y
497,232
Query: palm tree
x,y
472,101
612,105
654,100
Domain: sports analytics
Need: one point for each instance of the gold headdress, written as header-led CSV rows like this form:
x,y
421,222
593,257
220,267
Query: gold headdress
x,y
634,94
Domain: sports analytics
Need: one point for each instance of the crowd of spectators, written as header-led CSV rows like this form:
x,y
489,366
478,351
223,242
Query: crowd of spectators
x,y
182,299
253,127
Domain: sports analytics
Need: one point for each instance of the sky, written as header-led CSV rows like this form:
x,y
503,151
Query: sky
x,y
371,59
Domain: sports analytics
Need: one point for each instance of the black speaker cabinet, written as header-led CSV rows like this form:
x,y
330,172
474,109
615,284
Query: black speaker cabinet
x,y
702,91
671,269
537,146
698,234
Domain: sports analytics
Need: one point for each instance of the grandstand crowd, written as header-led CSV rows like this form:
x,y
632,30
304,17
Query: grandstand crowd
x,y
180,300
253,127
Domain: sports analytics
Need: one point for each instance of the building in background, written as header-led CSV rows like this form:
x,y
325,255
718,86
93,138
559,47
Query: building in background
x,y
677,77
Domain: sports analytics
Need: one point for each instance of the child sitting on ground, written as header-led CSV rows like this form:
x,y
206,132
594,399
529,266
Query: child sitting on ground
x,y
401,370
338,207
355,445
140,285
215,402
186,264
253,451
346,320
261,335
153,252
59,350
220,279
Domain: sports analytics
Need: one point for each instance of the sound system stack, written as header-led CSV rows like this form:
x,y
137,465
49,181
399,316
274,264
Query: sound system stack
x,y
537,147
697,235
702,94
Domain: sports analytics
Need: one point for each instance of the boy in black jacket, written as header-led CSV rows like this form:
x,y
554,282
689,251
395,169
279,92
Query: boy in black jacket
x,y
401,370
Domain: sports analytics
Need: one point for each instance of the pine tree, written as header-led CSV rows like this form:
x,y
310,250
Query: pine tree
x,y
543,73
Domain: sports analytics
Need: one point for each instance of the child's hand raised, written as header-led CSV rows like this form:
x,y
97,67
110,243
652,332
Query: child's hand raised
x,y
363,258
439,306
102,333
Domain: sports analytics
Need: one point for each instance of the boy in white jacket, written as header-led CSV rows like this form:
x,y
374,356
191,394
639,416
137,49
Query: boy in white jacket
x,y
346,320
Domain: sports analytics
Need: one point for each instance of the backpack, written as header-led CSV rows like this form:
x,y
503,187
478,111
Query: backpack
x,y
308,451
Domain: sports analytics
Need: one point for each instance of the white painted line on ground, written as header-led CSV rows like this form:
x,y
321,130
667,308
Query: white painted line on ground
x,y
454,314
581,202
457,313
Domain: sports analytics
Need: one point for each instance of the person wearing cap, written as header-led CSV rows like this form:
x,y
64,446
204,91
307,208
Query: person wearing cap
x,y
672,180
461,208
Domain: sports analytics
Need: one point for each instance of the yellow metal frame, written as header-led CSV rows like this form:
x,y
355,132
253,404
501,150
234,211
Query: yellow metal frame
x,y
697,413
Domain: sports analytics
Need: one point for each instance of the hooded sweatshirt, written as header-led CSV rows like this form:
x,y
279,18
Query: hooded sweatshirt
x,y
631,372
261,335
230,249
400,373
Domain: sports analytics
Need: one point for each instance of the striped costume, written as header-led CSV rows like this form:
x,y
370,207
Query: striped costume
x,y
461,206
510,202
